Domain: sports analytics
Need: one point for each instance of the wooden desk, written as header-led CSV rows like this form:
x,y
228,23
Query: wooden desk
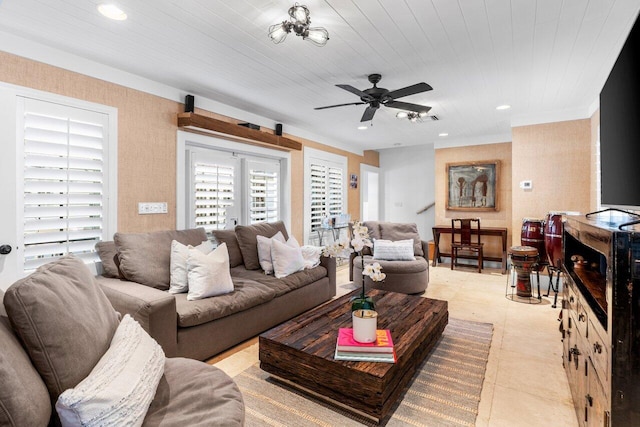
x,y
484,231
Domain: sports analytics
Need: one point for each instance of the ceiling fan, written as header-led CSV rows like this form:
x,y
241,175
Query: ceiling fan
x,y
377,96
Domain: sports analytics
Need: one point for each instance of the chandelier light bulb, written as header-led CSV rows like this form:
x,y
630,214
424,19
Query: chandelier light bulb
x,y
278,32
402,115
318,36
299,13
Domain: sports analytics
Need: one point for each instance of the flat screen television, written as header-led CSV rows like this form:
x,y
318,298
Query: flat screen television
x,y
620,128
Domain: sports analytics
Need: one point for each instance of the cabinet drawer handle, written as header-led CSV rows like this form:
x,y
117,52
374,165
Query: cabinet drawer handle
x,y
597,347
571,299
582,317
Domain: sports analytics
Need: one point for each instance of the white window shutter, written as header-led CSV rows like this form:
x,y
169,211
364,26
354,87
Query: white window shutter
x,y
63,181
319,173
213,192
263,190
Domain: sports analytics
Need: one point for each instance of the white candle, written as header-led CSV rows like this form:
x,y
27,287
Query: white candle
x,y
365,323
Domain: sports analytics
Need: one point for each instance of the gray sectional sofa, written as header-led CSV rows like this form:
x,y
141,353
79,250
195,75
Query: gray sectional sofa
x,y
136,279
60,326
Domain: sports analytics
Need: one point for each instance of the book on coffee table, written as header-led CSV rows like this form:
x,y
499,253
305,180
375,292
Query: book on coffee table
x,y
365,357
382,344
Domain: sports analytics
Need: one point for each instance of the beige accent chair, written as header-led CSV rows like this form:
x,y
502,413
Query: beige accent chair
x,y
408,277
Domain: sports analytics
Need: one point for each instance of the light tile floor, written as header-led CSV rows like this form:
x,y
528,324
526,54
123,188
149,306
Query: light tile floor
x,y
525,384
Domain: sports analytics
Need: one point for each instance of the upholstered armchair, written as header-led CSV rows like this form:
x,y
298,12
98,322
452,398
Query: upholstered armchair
x,y
409,277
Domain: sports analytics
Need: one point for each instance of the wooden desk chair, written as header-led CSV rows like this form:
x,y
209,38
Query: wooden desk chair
x,y
462,240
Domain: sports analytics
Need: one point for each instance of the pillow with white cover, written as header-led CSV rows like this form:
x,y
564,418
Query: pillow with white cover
x,y
178,265
400,250
311,255
287,257
209,274
264,251
121,386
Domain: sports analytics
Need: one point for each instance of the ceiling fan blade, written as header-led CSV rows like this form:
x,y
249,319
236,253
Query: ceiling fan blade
x,y
339,105
408,106
368,114
355,91
409,90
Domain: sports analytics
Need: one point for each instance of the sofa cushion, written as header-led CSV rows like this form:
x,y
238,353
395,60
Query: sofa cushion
x,y
24,400
401,231
284,285
229,237
146,257
405,267
64,320
109,257
287,257
246,294
248,242
121,386
400,250
208,274
195,394
265,252
179,278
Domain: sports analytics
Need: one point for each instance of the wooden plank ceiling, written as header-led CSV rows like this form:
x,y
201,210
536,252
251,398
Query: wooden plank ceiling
x,y
546,58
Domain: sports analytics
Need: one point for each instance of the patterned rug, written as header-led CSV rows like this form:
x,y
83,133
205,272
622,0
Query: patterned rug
x,y
445,391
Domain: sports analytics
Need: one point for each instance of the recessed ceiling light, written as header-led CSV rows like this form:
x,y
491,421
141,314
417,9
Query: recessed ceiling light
x,y
112,11
363,127
443,134
503,107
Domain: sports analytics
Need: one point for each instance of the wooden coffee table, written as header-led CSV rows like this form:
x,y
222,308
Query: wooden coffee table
x,y
301,351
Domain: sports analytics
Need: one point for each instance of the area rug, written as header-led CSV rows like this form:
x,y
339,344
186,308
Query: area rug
x,y
445,391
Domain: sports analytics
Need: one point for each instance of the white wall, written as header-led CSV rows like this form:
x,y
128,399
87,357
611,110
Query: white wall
x,y
408,185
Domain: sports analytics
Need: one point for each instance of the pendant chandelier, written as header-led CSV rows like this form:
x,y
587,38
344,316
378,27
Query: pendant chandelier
x,y
299,23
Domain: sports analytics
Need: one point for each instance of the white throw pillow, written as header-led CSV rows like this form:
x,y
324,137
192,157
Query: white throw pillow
x,y
121,386
209,274
287,257
401,250
311,255
264,251
178,264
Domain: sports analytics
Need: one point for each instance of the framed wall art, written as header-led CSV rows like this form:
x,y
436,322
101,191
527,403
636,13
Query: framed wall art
x,y
473,186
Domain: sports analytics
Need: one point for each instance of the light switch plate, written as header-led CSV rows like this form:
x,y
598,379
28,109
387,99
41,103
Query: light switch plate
x,y
147,208
526,185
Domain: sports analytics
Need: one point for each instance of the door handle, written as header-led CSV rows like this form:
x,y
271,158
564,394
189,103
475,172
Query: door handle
x,y
5,249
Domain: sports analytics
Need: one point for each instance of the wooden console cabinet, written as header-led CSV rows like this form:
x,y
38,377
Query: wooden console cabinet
x,y
601,321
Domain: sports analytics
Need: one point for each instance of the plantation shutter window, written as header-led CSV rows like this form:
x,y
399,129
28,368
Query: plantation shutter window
x,y
213,192
319,175
335,184
263,190
325,191
64,182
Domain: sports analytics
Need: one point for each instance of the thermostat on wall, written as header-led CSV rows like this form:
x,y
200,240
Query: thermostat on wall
x,y
526,185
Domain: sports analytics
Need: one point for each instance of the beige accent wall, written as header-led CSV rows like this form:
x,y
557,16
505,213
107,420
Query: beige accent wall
x,y
499,218
557,158
147,126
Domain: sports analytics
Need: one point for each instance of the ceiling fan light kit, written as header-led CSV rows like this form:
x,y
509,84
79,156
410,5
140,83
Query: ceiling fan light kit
x,y
299,23
377,96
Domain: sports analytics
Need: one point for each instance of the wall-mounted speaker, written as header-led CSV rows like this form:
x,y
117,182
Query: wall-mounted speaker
x,y
189,103
279,129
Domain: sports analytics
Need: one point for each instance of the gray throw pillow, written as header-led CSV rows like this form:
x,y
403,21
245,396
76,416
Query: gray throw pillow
x,y
64,321
248,241
229,237
109,257
402,231
145,258
24,400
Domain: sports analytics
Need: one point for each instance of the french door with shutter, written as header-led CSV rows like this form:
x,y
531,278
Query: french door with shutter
x,y
56,181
